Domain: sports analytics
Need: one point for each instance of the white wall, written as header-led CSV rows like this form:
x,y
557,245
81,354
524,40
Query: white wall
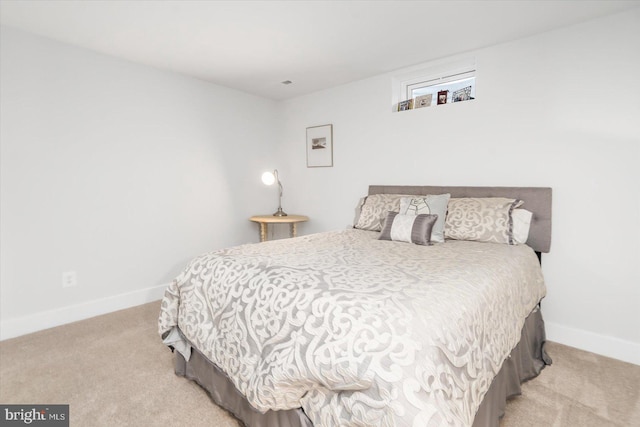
x,y
119,172
561,109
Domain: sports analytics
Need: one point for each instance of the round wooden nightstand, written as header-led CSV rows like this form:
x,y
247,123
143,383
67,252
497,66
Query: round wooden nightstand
x,y
264,220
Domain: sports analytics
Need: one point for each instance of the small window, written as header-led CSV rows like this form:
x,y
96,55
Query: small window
x,y
439,83
443,90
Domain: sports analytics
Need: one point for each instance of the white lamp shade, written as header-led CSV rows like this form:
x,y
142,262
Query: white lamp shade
x,y
268,178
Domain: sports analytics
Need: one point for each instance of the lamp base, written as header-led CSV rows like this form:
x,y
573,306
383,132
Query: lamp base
x,y
280,212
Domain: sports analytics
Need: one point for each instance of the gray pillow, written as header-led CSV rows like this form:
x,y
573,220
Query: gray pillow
x,y
408,228
431,204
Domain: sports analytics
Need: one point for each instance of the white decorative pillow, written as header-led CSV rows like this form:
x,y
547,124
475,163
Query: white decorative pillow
x,y
430,204
374,210
481,219
521,224
408,228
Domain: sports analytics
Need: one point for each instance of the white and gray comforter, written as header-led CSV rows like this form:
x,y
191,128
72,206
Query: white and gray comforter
x,y
358,331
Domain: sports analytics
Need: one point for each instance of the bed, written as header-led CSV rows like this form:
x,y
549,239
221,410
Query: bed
x,y
343,328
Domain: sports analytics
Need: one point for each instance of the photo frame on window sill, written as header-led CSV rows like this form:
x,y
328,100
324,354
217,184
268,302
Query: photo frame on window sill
x,y
320,146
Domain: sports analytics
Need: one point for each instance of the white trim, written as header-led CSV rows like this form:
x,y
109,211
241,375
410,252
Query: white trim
x,y
17,326
616,348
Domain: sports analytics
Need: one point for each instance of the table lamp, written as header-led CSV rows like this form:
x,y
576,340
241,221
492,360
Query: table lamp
x,y
269,178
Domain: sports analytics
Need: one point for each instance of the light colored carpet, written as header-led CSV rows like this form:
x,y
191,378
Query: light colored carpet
x,y
113,370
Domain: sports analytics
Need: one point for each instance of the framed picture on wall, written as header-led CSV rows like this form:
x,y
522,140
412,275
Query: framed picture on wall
x,y
320,146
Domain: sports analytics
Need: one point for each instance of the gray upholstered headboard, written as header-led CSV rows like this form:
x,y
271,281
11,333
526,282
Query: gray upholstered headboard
x,y
536,200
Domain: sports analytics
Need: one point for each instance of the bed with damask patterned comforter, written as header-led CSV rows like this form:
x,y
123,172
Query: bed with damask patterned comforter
x,y
354,330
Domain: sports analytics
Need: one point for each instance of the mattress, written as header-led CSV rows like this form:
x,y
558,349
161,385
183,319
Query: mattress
x,y
354,330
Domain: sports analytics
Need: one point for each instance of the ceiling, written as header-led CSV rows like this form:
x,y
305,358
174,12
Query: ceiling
x,y
253,46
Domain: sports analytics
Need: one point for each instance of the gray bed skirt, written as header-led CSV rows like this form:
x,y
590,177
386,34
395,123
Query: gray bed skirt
x,y
526,361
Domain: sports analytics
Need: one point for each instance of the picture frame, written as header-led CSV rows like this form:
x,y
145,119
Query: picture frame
x,y
442,97
405,105
463,94
320,146
423,101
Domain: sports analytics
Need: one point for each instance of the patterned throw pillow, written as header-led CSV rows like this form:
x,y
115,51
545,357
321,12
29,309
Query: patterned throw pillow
x,y
408,228
374,210
481,219
431,204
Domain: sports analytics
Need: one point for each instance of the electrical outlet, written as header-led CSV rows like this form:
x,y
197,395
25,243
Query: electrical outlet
x,y
69,279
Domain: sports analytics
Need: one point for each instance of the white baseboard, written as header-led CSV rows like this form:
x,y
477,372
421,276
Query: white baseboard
x,y
616,348
15,327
